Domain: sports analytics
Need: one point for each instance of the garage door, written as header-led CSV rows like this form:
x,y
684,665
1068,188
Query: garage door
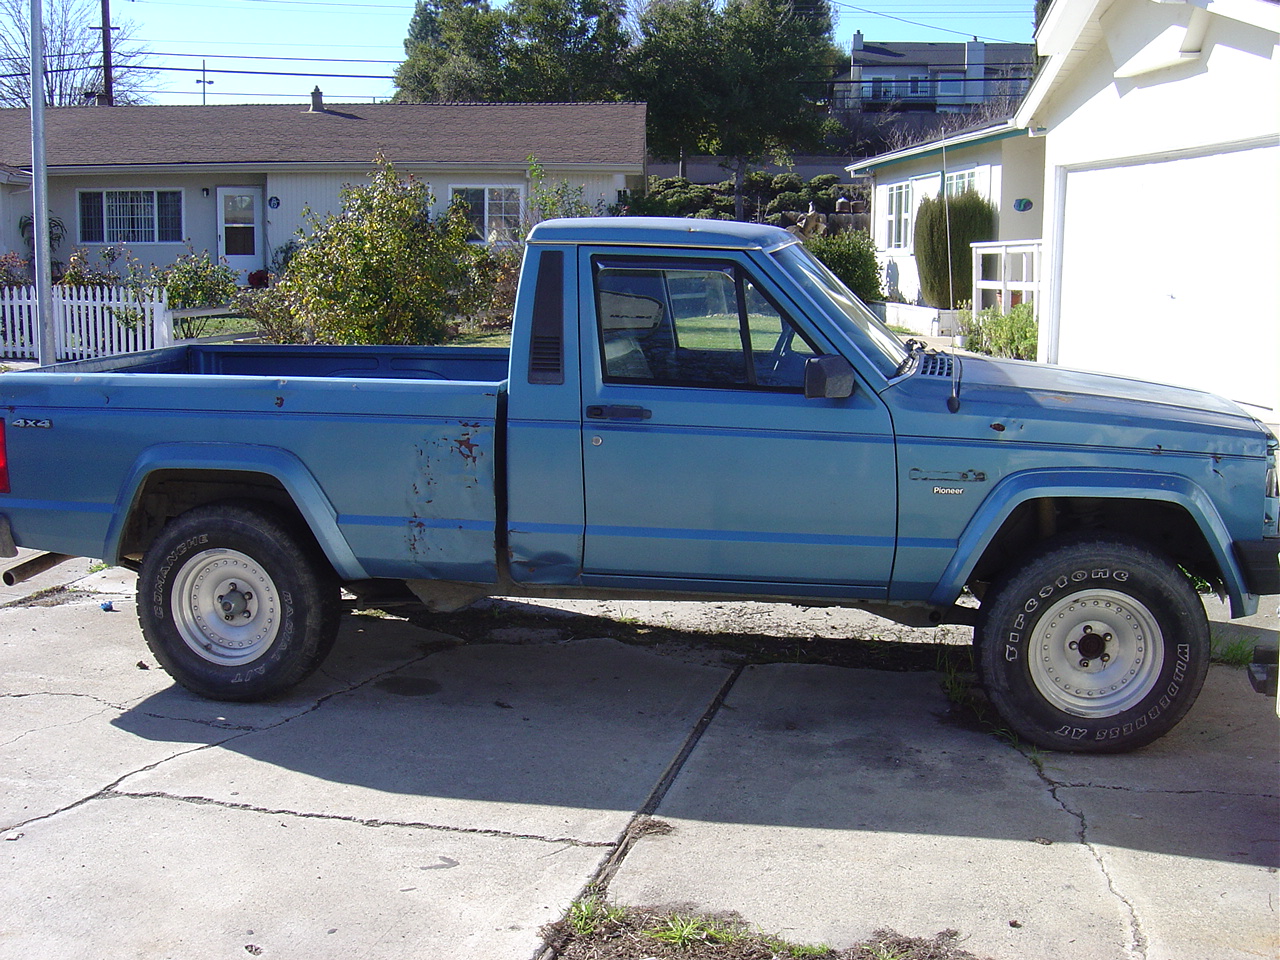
x,y
1169,274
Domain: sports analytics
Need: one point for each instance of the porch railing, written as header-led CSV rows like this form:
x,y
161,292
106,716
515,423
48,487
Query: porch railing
x,y
1006,273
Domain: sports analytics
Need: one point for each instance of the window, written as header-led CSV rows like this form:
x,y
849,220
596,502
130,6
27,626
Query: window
x,y
951,85
899,216
958,183
693,323
494,211
131,216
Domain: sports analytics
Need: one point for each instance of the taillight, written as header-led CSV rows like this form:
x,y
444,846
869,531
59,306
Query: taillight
x,y
4,463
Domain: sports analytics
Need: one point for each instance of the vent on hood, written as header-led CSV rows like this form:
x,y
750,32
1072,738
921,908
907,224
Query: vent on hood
x,y
935,365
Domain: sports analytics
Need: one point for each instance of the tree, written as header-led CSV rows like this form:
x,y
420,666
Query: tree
x,y
384,270
529,51
675,67
732,80
73,55
564,50
453,53
771,54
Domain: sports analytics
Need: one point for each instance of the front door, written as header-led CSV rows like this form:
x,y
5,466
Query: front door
x,y
240,228
704,462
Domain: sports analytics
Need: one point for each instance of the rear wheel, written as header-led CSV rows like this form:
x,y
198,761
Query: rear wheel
x,y
234,605
1093,645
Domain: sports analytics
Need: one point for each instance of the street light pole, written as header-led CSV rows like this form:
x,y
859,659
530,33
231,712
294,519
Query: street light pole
x,y
204,84
48,347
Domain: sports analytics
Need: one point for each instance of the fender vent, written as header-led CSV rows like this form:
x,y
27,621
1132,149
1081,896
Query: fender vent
x,y
935,365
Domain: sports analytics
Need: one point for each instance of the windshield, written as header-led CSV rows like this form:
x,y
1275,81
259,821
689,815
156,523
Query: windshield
x,y
851,315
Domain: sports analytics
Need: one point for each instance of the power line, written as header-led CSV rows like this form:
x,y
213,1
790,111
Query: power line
x,y
258,73
914,23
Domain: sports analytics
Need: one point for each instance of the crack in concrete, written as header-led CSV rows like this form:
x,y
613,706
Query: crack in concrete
x,y
1158,791
1138,938
640,823
346,818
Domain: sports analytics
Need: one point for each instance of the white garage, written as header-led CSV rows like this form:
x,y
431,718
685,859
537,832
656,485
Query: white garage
x,y
1163,227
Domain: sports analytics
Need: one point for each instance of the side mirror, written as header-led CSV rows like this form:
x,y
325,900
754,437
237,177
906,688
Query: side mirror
x,y
828,377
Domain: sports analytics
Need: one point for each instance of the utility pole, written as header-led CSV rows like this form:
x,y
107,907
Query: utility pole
x,y
48,349
108,96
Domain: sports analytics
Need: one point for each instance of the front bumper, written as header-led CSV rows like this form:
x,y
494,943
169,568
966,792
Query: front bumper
x,y
1260,564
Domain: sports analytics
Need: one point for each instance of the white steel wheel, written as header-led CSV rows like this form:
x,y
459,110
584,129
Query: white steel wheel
x,y
1096,653
226,607
236,602
1093,643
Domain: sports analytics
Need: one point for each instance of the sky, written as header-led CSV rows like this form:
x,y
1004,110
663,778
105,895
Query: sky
x,y
350,49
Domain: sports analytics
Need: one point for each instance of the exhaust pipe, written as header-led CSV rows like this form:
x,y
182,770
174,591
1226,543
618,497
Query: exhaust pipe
x,y
36,565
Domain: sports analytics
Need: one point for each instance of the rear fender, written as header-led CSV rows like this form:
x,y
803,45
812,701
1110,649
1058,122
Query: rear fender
x,y
281,465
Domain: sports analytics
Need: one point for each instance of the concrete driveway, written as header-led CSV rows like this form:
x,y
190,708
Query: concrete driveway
x,y
425,798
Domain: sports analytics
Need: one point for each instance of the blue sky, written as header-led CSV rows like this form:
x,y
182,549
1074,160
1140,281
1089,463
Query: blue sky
x,y
321,40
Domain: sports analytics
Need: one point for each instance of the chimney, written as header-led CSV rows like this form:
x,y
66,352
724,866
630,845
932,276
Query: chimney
x,y
317,100
856,43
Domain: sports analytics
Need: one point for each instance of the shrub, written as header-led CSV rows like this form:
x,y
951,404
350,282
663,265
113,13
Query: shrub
x,y
14,271
787,183
384,270
789,201
851,256
197,280
1013,334
943,257
273,314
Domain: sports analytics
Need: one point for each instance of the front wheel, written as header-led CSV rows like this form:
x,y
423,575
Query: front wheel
x,y
233,605
1093,645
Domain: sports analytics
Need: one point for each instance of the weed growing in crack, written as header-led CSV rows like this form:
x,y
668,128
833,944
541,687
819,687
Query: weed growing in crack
x,y
686,931
588,913
1234,653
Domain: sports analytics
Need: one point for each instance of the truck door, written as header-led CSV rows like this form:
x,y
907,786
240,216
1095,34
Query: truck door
x,y
704,464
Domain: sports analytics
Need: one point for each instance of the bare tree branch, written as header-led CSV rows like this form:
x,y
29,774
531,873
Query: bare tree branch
x,y
73,55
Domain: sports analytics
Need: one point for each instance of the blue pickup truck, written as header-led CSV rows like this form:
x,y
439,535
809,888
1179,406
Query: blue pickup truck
x,y
689,409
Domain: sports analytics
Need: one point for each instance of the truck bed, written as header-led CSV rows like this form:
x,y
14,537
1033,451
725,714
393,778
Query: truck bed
x,y
474,364
388,451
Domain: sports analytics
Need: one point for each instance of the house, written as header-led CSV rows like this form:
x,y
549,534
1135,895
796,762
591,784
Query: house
x,y
1000,161
931,77
237,180
1161,129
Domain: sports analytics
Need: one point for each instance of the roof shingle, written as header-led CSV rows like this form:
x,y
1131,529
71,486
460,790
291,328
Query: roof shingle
x,y
465,133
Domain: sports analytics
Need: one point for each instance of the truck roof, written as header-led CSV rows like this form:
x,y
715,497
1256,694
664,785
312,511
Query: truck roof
x,y
661,231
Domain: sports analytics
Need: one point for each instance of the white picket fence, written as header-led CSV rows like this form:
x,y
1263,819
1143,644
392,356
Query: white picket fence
x,y
87,321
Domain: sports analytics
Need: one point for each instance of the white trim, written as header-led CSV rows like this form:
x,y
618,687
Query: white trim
x,y
1051,328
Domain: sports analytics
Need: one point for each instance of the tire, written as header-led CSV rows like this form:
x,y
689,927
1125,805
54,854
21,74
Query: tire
x,y
1094,645
233,605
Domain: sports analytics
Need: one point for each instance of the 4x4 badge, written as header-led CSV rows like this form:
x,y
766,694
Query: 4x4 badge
x,y
24,422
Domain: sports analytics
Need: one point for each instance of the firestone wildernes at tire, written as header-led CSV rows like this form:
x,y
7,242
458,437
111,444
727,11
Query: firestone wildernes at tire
x,y
234,605
1095,644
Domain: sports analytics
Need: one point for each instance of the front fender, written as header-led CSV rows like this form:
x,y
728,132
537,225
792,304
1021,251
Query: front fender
x,y
274,462
1019,488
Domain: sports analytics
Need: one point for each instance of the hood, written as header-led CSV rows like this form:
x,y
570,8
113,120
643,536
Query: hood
x,y
1050,404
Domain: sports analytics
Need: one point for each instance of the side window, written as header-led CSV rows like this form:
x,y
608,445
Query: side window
x,y
693,323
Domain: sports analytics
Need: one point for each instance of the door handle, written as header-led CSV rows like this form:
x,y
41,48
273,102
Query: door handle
x,y
617,412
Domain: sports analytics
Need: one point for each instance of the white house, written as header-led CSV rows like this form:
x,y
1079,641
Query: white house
x,y
236,180
1000,161
1161,128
